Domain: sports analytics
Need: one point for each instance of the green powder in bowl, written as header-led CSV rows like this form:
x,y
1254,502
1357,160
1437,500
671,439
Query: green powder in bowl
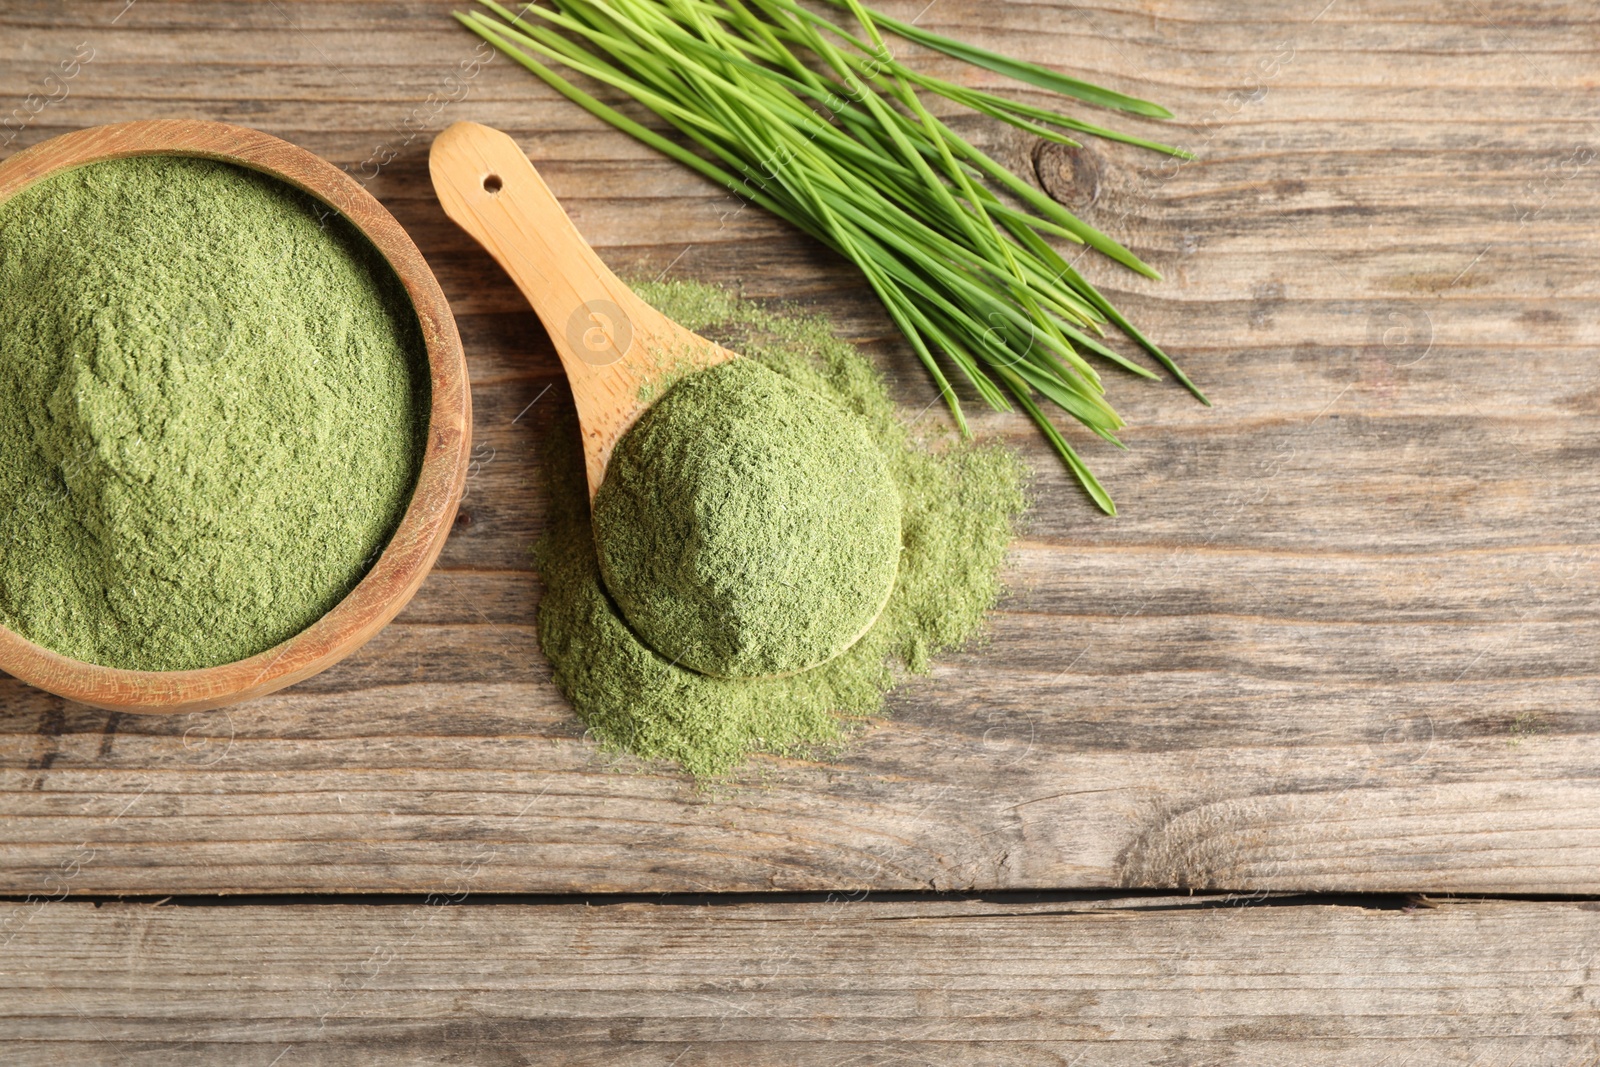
x,y
213,396
746,526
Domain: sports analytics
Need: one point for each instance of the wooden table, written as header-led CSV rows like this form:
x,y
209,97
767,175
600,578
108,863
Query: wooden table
x,y
1296,761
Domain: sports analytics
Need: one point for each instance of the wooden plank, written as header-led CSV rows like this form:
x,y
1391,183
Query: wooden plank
x,y
1339,637
1146,980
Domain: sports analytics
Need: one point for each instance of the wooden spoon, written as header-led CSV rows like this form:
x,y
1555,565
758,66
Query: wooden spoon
x,y
619,352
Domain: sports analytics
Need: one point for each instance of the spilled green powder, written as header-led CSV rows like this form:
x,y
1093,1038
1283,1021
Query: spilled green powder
x,y
212,399
747,526
958,505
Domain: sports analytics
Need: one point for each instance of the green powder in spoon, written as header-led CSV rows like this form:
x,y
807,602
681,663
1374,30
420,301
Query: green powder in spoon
x,y
747,526
957,507
212,400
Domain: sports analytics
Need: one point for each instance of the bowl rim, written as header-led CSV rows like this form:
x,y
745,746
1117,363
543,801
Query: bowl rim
x,y
417,539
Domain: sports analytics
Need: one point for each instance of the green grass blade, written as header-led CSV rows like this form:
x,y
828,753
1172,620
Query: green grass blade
x,y
1022,71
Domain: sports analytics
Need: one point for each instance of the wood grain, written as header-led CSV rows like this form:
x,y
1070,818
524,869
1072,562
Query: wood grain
x,y
1116,981
1340,637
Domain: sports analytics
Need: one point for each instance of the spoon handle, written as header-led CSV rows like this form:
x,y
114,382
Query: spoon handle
x,y
602,332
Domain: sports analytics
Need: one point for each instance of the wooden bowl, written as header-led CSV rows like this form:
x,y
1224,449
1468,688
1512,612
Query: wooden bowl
x,y
416,542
